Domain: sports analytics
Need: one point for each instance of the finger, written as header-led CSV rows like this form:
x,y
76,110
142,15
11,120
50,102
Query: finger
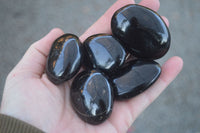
x,y
165,20
169,71
34,59
152,4
133,107
102,25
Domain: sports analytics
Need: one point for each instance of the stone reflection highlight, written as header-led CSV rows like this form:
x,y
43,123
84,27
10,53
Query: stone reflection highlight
x,y
135,77
91,96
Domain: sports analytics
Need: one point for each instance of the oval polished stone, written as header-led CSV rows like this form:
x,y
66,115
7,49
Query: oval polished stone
x,y
135,77
144,33
92,97
103,52
64,59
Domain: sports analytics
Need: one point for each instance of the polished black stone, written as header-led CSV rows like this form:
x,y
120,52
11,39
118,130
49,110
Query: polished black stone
x,y
92,97
142,30
64,59
103,52
134,78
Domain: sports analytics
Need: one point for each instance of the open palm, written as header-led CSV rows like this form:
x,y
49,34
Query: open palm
x,y
31,97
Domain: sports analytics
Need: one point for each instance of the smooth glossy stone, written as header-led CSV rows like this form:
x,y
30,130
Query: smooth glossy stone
x,y
92,97
64,59
103,52
143,31
135,77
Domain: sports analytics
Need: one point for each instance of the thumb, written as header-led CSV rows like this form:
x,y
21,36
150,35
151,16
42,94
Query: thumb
x,y
34,59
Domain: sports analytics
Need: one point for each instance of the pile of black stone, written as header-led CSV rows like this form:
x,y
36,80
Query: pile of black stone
x,y
117,66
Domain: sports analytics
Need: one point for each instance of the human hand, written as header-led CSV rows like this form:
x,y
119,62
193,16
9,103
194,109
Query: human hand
x,y
31,97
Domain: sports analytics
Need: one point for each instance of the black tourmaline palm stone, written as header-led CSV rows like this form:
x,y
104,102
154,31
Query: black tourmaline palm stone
x,y
142,31
103,52
64,59
134,78
91,96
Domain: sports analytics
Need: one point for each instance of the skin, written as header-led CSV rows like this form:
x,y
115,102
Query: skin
x,y
31,97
